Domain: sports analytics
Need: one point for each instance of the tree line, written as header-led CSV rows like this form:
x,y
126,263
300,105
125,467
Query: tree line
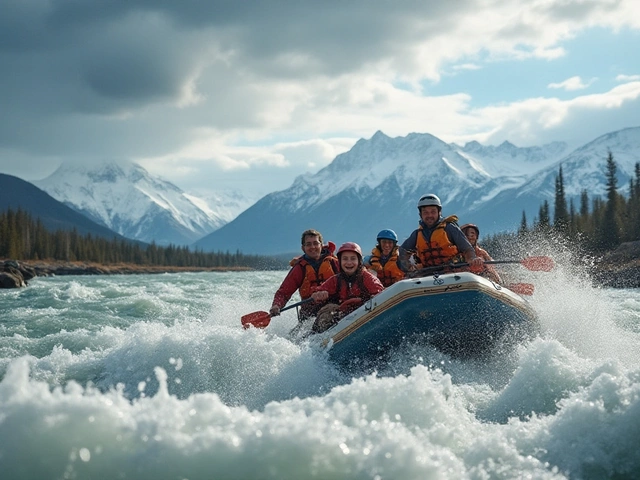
x,y
24,238
598,225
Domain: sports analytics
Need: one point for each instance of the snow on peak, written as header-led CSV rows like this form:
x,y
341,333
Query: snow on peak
x,y
123,196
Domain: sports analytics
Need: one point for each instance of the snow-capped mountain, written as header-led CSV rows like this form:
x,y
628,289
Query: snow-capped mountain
x,y
124,197
17,194
377,183
585,167
225,204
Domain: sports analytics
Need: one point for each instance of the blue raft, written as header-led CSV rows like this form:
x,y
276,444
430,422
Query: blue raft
x,y
461,314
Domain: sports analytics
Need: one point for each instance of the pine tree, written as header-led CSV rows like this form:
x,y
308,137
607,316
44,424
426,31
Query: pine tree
x,y
523,225
610,231
544,222
561,215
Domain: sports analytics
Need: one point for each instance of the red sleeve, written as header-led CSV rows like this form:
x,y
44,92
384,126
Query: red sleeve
x,y
374,286
289,285
330,285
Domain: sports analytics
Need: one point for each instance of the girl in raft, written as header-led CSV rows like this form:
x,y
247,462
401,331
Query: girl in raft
x,y
346,290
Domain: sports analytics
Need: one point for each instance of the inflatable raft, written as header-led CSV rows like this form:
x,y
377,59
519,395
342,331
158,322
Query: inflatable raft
x,y
461,314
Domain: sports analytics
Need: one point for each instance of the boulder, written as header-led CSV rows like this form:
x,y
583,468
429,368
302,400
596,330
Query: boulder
x,y
620,268
11,280
13,275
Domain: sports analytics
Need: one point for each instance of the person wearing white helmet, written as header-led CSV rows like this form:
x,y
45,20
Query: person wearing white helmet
x,y
437,240
384,258
346,290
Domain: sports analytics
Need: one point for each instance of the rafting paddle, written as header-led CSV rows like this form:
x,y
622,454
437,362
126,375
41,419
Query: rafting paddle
x,y
535,264
521,288
262,319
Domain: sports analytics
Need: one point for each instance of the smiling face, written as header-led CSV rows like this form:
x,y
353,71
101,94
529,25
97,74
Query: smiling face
x,y
312,246
472,236
386,245
349,262
429,215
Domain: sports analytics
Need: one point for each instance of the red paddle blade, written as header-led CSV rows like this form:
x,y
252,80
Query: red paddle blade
x,y
539,264
521,288
256,319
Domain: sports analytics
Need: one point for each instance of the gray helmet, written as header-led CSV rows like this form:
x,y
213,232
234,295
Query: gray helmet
x,y
429,200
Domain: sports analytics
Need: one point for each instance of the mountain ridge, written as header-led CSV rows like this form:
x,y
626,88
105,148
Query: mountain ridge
x,y
124,197
16,193
376,185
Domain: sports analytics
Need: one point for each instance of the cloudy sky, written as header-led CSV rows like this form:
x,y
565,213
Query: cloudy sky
x,y
242,94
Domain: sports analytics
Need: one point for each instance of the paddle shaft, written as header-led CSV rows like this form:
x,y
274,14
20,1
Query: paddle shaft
x,y
297,304
532,263
262,319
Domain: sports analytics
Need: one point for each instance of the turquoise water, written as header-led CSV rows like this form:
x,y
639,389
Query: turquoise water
x,y
152,377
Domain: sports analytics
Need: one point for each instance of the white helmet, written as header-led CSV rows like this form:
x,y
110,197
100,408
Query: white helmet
x,y
429,200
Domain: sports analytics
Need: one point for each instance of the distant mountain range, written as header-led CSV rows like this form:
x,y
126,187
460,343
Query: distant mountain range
x,y
374,185
16,194
124,197
377,183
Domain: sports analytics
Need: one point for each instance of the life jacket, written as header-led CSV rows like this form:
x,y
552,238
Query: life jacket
x,y
348,303
389,273
343,288
489,271
314,278
439,249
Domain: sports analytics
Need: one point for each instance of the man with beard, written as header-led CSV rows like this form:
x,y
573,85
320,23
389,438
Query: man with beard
x,y
308,272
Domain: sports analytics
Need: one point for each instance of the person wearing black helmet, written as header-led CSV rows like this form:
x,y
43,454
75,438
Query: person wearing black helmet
x,y
346,290
472,232
437,240
384,258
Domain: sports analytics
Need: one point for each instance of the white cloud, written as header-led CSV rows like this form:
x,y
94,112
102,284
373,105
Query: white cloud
x,y
467,66
572,84
628,78
526,123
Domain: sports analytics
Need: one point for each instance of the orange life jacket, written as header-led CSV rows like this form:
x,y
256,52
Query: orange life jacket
x,y
313,279
439,249
489,271
389,273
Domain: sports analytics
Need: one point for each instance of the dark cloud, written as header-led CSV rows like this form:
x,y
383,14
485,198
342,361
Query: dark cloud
x,y
106,58
98,79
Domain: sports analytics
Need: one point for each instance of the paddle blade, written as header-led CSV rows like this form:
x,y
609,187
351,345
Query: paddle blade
x,y
539,264
521,288
255,319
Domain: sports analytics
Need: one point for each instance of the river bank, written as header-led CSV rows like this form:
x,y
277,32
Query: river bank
x,y
15,274
617,269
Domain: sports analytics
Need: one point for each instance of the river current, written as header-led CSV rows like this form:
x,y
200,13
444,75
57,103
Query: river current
x,y
152,377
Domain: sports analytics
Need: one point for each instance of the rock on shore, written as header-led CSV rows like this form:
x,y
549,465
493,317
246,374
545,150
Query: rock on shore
x,y
16,274
620,268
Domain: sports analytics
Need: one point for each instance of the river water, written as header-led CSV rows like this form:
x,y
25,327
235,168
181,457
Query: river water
x,y
152,377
